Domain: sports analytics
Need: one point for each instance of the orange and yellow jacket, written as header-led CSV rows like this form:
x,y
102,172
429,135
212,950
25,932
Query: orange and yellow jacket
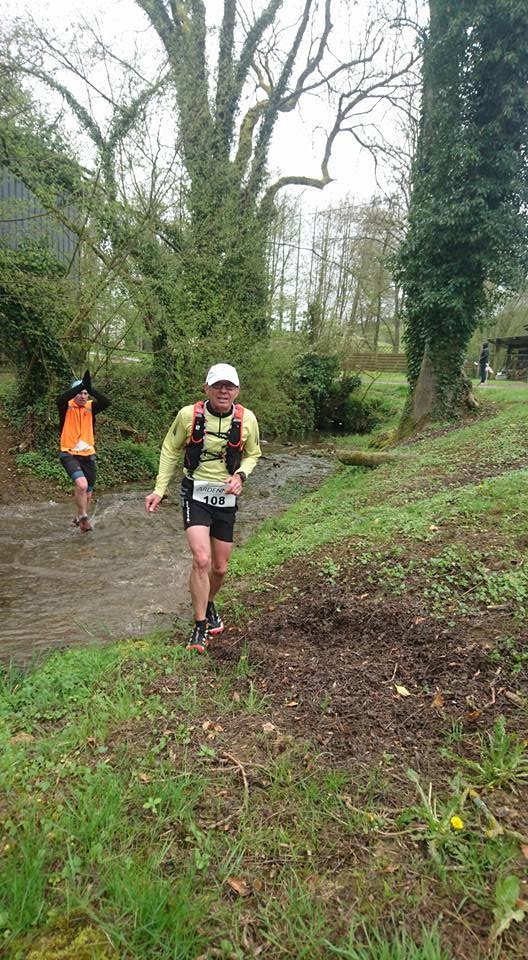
x,y
77,424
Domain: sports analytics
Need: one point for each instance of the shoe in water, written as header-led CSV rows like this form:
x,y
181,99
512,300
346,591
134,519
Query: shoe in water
x,y
199,639
214,619
76,521
84,525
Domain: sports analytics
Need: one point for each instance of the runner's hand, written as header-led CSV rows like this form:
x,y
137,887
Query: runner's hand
x,y
152,502
234,485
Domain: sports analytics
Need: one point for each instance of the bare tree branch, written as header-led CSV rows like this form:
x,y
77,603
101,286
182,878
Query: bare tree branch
x,y
268,123
313,62
224,83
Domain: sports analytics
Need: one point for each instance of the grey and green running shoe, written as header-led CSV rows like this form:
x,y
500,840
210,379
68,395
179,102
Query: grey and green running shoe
x,y
214,619
199,639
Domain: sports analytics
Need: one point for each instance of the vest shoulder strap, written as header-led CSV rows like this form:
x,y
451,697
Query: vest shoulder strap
x,y
193,447
198,423
235,432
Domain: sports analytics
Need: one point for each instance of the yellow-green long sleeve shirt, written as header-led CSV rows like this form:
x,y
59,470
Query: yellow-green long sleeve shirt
x,y
211,467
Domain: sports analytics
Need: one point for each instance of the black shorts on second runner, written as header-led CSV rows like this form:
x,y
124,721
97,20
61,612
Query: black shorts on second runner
x,y
80,467
220,520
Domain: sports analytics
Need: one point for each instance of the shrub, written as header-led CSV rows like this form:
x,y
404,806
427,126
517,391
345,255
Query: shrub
x,y
330,396
125,462
41,465
136,401
316,373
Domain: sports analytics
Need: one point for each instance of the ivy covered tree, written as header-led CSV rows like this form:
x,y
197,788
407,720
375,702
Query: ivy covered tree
x,y
467,233
227,118
223,77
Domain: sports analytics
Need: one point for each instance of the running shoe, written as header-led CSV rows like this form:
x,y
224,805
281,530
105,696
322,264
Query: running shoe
x,y
199,638
84,525
76,521
214,619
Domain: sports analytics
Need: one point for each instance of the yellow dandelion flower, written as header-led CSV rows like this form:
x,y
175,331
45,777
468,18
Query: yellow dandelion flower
x,y
457,823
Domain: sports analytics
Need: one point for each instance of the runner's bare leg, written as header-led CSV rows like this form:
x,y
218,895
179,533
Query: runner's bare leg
x,y
81,496
221,552
199,541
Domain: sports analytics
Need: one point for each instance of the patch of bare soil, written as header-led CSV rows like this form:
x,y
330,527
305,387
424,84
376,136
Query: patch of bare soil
x,y
16,486
366,674
370,683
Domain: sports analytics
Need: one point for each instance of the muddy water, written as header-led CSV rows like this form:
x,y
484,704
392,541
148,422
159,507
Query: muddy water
x,y
59,587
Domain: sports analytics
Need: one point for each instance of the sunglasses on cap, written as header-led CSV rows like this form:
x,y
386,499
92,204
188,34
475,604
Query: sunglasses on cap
x,y
223,385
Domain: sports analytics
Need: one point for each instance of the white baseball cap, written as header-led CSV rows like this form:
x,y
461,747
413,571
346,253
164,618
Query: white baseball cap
x,y
222,371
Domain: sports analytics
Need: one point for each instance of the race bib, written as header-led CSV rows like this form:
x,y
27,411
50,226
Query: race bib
x,y
213,494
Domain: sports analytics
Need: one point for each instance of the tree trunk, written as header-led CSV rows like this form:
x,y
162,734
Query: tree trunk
x,y
426,398
397,318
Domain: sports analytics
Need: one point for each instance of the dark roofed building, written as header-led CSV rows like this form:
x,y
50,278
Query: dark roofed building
x,y
22,217
515,363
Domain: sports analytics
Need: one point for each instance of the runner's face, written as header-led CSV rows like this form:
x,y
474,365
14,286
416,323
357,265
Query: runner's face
x,y
222,395
81,398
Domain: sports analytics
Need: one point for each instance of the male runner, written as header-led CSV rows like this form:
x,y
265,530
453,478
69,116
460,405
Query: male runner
x,y
221,443
77,445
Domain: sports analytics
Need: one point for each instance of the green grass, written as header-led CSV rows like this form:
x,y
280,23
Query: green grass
x,y
503,760
410,497
111,790
402,947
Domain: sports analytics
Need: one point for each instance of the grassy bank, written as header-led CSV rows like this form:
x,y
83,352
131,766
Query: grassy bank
x,y
344,775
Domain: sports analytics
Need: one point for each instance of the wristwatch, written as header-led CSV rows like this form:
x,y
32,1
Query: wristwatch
x,y
242,475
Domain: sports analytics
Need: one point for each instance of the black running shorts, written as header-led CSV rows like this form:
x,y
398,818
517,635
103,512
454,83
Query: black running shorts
x,y
220,520
80,467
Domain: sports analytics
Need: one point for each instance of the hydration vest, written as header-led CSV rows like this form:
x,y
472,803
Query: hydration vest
x,y
233,453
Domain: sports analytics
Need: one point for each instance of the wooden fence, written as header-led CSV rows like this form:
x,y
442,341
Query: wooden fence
x,y
380,362
390,363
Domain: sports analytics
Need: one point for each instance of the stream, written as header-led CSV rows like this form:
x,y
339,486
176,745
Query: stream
x,y
130,576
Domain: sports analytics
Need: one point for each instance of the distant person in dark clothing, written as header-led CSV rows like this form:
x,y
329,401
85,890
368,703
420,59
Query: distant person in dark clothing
x,y
77,445
484,362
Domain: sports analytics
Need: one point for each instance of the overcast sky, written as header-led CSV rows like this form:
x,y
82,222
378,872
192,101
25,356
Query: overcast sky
x,y
296,147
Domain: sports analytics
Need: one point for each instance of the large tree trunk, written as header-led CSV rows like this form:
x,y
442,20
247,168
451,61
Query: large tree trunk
x,y
426,398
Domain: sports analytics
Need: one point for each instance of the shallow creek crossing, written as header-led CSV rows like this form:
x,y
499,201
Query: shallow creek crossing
x,y
130,576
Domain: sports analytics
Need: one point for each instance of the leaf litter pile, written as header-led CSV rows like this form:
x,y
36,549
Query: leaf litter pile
x,y
366,673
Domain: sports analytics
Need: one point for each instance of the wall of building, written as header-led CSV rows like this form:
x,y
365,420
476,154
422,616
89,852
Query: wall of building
x,y
23,217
